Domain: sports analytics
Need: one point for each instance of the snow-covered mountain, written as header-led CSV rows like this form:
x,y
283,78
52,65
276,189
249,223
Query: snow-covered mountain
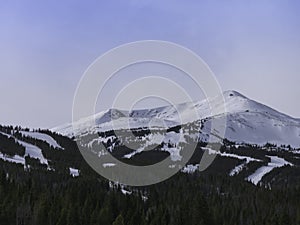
x,y
247,120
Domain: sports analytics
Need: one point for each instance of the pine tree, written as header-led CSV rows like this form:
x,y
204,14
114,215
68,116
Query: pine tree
x,y
119,220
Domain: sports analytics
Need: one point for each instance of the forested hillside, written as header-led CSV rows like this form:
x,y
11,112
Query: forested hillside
x,y
36,193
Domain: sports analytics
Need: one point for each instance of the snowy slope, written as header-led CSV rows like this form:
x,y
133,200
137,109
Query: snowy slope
x,y
247,121
42,137
30,150
276,162
251,122
100,123
13,159
34,152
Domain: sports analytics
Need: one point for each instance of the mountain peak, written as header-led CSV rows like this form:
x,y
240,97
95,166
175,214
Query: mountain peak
x,y
232,93
246,120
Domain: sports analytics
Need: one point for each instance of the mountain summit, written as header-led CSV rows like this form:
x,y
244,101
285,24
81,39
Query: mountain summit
x,y
248,121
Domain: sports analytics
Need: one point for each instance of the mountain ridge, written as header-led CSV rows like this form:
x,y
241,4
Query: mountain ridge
x,y
247,120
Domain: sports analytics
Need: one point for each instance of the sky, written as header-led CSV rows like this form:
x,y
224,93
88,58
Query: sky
x,y
45,47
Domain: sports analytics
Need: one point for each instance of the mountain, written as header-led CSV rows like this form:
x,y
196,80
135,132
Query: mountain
x,y
155,134
258,139
247,121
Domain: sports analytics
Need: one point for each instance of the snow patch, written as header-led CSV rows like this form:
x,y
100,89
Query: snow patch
x,y
42,137
237,169
276,162
15,159
174,153
247,158
33,152
107,165
190,168
30,150
125,192
74,172
158,138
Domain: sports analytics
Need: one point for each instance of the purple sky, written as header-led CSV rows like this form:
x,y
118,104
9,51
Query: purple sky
x,y
45,47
